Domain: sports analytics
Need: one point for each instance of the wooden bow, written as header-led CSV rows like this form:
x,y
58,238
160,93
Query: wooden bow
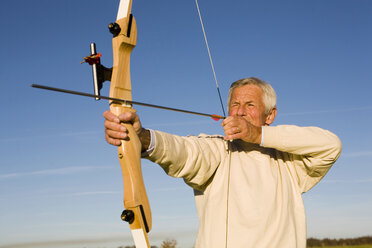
x,y
137,208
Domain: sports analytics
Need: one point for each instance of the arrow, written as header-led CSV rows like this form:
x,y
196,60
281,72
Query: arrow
x,y
126,102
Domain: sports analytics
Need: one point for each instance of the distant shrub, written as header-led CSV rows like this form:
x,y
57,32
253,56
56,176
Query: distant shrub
x,y
169,243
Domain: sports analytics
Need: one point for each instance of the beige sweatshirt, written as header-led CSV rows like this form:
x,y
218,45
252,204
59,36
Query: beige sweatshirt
x,y
249,196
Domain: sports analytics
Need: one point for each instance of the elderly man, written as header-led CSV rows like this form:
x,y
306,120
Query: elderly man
x,y
247,184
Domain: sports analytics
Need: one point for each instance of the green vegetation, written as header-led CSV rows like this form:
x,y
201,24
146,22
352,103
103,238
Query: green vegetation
x,y
361,242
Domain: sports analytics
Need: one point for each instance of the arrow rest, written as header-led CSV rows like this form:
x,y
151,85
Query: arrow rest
x,y
100,73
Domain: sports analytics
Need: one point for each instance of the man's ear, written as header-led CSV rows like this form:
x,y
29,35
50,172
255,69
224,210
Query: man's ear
x,y
271,117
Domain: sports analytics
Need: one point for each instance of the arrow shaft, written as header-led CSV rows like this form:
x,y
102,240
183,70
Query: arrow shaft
x,y
124,101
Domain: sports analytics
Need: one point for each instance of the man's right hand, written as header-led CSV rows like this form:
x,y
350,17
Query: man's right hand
x,y
115,132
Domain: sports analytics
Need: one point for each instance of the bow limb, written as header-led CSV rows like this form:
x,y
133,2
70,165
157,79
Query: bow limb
x,y
136,203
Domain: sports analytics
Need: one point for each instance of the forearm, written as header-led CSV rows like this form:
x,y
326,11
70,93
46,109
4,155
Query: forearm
x,y
192,158
309,152
306,141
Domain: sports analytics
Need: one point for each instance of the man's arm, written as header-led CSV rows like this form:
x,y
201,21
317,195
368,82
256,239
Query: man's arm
x,y
194,159
312,150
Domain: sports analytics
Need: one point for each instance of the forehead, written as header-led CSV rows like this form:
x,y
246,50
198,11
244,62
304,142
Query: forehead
x,y
247,92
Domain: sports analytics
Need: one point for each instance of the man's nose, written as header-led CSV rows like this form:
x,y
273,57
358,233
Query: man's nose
x,y
241,111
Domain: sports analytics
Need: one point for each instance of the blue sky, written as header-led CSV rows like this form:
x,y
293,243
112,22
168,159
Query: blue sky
x,y
60,183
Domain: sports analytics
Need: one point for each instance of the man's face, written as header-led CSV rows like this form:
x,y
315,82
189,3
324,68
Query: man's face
x,y
247,102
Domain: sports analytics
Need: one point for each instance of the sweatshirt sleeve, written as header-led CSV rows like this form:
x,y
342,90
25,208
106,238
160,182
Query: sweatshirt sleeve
x,y
193,158
312,150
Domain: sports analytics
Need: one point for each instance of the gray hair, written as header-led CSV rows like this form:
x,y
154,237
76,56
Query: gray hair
x,y
269,95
